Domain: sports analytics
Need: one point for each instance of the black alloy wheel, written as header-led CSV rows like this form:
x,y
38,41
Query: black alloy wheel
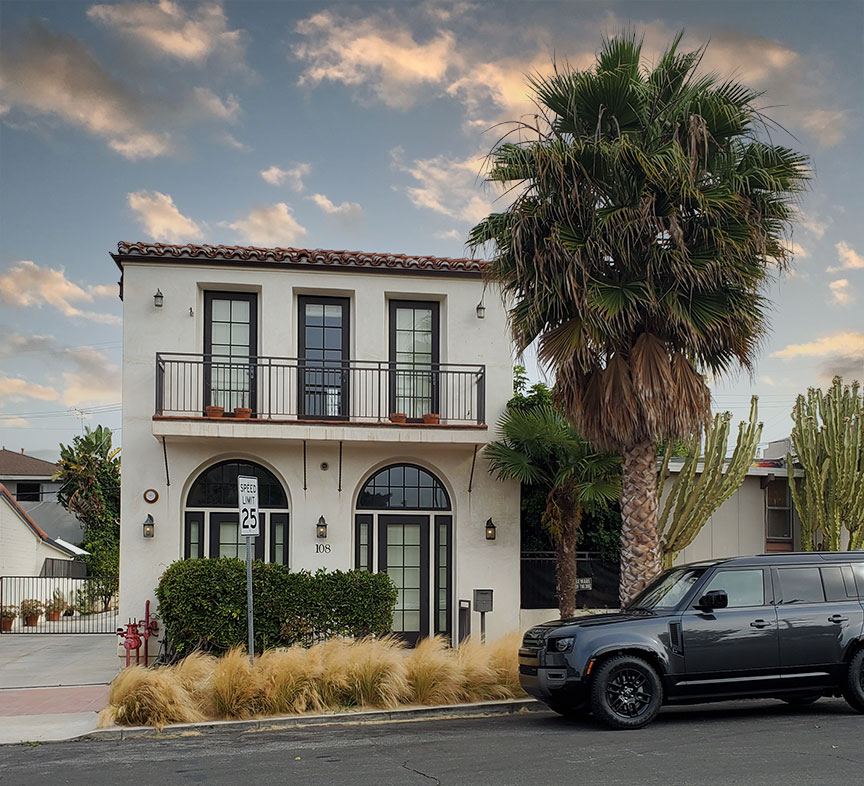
x,y
853,690
626,692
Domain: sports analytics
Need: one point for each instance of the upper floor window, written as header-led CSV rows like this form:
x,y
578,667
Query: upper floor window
x,y
778,510
403,487
28,492
415,357
230,348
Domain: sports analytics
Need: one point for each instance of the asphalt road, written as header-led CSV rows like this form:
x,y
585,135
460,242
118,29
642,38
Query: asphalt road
x,y
749,743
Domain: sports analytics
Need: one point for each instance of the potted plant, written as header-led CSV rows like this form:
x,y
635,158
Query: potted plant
x,y
7,617
398,417
242,412
56,606
213,411
31,609
431,418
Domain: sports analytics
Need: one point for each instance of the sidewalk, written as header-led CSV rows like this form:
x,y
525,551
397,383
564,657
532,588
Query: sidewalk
x,y
53,686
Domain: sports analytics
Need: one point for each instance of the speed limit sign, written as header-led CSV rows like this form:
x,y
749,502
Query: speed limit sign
x,y
247,494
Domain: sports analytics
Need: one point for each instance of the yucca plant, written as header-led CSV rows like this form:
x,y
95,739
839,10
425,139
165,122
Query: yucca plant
x,y
649,212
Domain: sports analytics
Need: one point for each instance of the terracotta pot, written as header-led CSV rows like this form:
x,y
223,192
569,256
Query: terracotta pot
x,y
431,419
6,623
53,616
214,412
31,620
242,412
398,417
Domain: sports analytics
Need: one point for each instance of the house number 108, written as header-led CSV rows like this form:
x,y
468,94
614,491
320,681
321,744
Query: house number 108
x,y
322,548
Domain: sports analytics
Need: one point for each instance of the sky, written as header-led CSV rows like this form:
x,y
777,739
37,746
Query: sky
x,y
360,126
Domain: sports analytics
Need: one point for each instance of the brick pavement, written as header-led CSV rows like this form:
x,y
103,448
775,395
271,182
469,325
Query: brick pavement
x,y
53,701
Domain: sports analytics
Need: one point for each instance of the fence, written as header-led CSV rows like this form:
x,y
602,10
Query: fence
x,y
538,581
66,604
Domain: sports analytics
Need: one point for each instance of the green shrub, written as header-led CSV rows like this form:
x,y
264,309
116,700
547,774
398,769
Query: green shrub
x,y
202,604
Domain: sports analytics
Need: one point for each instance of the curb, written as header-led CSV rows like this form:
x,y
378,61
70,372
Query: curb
x,y
476,709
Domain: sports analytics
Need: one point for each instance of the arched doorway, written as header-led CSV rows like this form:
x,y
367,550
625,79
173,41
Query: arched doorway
x,y
211,525
404,527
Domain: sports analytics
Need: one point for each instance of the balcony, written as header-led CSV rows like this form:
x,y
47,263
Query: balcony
x,y
305,391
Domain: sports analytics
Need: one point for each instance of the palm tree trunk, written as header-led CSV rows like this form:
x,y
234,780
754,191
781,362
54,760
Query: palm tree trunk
x,y
640,543
565,572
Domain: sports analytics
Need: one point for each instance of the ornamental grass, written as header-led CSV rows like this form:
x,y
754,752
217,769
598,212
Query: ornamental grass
x,y
334,676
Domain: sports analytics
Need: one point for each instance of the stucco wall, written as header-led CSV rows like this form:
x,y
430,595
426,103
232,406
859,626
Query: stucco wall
x,y
22,551
478,563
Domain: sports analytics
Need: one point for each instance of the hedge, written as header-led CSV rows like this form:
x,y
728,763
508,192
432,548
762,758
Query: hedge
x,y
202,604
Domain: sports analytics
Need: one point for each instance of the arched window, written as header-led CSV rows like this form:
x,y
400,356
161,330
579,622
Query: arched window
x,y
403,487
217,487
211,525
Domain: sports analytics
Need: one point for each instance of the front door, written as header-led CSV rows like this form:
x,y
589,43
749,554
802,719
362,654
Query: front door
x,y
403,553
230,349
736,648
324,357
226,540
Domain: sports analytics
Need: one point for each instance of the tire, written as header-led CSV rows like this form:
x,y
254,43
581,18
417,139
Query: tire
x,y
853,690
577,711
626,692
801,701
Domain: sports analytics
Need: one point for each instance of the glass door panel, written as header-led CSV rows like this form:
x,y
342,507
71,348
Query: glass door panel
x,y
414,357
404,556
324,356
230,349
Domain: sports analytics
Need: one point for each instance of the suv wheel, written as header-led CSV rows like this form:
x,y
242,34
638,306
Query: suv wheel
x,y
853,690
626,692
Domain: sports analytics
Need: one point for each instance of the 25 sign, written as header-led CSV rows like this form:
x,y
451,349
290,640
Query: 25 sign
x,y
247,497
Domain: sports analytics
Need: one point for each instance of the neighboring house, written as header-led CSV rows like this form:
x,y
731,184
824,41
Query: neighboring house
x,y
25,548
320,347
31,483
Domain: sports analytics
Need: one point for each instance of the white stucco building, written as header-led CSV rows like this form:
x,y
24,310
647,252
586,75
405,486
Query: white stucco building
x,y
322,348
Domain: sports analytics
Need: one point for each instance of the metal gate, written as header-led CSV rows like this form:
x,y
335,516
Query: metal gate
x,y
58,604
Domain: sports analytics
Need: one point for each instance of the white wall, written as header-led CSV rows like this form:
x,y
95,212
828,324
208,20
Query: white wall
x,y
478,563
22,551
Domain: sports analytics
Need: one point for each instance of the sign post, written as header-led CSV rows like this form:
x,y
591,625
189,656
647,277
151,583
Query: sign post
x,y
247,501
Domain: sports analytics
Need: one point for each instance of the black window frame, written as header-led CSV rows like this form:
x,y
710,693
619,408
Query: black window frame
x,y
190,517
435,371
384,520
345,401
284,519
364,520
787,508
29,495
403,465
447,630
252,298
217,518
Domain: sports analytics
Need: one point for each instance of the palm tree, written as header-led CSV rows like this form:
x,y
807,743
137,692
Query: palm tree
x,y
539,446
649,214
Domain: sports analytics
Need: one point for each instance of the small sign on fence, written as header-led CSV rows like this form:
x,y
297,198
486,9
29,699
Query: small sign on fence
x,y
584,583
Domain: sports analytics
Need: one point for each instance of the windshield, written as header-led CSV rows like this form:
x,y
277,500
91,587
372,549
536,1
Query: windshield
x,y
667,590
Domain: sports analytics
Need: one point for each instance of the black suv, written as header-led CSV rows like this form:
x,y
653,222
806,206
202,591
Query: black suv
x,y
787,626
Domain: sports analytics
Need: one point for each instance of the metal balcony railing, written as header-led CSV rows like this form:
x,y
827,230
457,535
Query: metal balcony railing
x,y
362,391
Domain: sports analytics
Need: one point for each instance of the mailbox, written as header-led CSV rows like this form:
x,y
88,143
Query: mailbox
x,y
482,600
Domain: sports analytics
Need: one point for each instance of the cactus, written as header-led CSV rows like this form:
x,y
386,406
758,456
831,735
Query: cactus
x,y
828,439
692,500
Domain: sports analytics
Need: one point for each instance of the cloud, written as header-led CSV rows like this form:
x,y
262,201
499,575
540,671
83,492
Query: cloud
x,y
14,422
293,176
450,234
387,57
227,109
445,185
50,74
180,32
849,258
26,284
345,209
270,225
843,344
798,251
809,222
841,293
17,389
159,216
231,141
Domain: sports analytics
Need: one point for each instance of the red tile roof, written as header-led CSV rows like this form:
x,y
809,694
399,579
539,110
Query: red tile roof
x,y
299,256
12,463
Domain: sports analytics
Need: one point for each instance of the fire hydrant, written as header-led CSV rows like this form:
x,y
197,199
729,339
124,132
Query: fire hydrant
x,y
131,641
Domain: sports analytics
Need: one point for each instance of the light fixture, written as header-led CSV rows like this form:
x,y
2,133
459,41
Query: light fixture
x,y
481,310
321,527
158,298
490,529
149,527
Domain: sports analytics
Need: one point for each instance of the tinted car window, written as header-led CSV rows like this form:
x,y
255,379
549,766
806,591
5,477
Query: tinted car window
x,y
832,579
668,589
743,587
859,578
800,585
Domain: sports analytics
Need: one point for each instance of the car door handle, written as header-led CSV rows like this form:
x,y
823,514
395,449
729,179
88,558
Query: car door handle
x,y
838,618
759,624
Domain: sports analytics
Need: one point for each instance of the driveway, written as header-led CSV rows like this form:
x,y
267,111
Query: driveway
x,y
33,660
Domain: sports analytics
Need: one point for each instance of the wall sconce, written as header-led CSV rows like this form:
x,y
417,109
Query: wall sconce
x,y
149,527
158,298
490,529
321,527
481,310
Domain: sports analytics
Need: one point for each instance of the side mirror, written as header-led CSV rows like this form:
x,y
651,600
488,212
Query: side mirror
x,y
716,599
